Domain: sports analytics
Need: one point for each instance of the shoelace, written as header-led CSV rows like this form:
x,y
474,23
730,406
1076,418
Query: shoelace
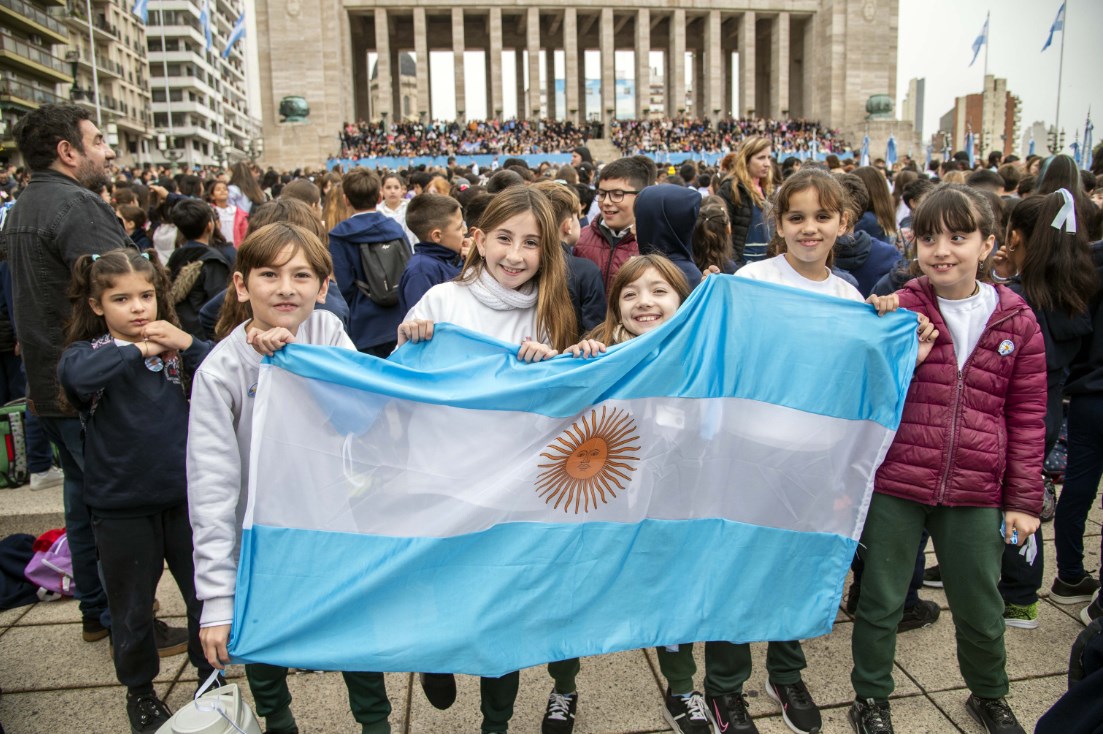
x,y
695,707
798,694
875,718
736,704
997,710
150,709
559,706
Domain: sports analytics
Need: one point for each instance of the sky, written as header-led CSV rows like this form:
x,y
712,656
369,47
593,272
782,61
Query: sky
x,y
936,39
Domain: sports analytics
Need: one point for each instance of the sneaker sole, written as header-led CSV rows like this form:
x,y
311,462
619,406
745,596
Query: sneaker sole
x,y
168,652
1023,624
785,714
933,584
1078,599
1085,617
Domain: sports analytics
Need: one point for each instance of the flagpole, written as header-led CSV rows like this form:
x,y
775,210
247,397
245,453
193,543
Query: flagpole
x,y
1060,73
95,74
984,80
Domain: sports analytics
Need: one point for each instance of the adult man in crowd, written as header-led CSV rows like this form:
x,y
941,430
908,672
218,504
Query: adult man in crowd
x,y
56,219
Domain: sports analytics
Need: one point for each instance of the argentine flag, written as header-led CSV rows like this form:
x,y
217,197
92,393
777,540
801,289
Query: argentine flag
x,y
455,510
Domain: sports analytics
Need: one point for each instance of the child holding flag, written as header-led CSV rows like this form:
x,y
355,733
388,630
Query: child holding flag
x,y
281,271
512,287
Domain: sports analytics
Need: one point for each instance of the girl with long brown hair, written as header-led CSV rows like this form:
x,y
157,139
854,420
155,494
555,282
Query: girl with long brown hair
x,y
745,192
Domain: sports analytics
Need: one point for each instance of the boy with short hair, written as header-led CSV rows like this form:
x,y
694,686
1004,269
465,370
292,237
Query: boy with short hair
x,y
372,325
610,240
199,271
437,222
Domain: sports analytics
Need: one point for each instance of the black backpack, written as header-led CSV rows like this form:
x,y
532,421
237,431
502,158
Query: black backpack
x,y
383,263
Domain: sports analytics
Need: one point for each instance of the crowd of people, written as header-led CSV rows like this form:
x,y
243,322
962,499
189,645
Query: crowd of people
x,y
188,280
787,137
447,138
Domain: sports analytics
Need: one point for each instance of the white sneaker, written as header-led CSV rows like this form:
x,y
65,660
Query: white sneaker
x,y
52,477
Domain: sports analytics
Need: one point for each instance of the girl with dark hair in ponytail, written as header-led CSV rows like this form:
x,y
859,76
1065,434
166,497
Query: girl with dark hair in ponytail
x,y
124,369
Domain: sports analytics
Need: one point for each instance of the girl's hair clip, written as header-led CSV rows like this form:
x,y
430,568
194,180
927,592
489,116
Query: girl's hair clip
x,y
145,255
1066,217
95,258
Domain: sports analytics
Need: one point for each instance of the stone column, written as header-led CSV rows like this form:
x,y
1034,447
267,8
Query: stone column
x,y
571,57
779,65
494,65
421,50
519,77
677,64
713,73
553,112
361,82
700,82
382,105
643,62
532,32
608,70
396,83
747,65
457,53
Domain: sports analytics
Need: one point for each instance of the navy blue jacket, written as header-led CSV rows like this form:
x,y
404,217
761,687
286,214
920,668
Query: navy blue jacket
x,y
869,224
665,217
431,265
370,325
586,289
136,438
334,303
866,258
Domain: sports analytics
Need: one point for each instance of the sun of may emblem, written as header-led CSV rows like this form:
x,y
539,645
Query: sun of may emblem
x,y
588,459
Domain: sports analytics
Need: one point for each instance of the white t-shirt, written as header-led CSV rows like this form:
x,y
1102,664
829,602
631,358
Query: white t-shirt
x,y
455,303
226,221
398,215
778,270
966,319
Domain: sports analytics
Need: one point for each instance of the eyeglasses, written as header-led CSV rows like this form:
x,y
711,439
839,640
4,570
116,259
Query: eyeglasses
x,y
614,195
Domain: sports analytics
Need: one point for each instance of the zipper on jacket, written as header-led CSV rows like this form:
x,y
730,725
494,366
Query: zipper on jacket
x,y
959,387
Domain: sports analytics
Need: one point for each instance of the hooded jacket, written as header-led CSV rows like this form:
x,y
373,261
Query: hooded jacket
x,y
867,259
597,244
1086,371
665,216
973,437
370,325
431,265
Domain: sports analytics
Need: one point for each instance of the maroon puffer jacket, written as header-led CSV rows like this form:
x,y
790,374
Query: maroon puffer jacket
x,y
593,246
975,437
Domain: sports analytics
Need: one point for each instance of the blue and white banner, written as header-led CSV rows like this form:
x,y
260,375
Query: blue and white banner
x,y
1058,25
980,41
455,510
141,9
236,34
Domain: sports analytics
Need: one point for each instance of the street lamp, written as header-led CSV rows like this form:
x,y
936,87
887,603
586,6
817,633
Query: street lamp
x,y
167,145
254,148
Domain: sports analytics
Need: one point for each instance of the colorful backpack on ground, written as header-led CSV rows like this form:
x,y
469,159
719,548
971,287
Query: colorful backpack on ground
x,y
51,567
13,452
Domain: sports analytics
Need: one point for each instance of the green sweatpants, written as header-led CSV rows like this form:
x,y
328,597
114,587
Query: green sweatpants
x,y
677,667
367,697
498,696
969,548
728,665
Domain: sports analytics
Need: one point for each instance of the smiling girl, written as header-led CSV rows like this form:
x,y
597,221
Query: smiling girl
x,y
745,192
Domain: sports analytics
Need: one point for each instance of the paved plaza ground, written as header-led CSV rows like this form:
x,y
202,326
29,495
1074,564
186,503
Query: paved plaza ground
x,y
54,682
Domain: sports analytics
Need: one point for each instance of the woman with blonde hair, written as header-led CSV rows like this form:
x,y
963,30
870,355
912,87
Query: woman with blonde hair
x,y
745,192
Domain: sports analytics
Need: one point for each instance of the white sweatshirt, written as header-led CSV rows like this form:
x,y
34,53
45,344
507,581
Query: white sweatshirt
x,y
220,432
455,303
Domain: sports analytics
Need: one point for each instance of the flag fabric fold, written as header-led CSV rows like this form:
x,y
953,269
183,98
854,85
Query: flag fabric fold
x,y
141,9
1058,25
236,34
863,160
1086,153
971,147
454,510
980,41
890,151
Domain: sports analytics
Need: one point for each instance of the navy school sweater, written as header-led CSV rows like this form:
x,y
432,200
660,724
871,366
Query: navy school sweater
x,y
431,265
136,429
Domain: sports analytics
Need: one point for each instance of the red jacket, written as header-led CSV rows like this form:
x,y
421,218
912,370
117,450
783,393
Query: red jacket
x,y
593,246
973,438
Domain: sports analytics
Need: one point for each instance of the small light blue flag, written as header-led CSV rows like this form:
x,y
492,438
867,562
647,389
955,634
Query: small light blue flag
x,y
970,147
1086,154
205,21
864,161
1076,149
1030,149
980,41
930,150
890,152
1058,25
141,9
236,34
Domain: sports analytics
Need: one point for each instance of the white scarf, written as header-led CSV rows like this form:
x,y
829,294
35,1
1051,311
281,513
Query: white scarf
x,y
493,294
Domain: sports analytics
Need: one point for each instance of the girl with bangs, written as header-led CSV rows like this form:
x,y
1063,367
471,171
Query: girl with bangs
x,y
513,287
282,270
965,465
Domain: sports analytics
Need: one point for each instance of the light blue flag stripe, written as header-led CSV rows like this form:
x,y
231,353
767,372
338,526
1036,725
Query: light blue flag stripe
x,y
573,590
726,341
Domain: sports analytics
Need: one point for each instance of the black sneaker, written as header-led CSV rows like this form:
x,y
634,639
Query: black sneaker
x,y
170,640
729,714
798,710
870,717
852,595
146,712
440,689
923,614
932,577
993,714
1063,592
1091,612
91,629
686,714
559,717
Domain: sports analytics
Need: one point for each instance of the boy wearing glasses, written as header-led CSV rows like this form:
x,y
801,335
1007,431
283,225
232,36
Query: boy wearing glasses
x,y
610,240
